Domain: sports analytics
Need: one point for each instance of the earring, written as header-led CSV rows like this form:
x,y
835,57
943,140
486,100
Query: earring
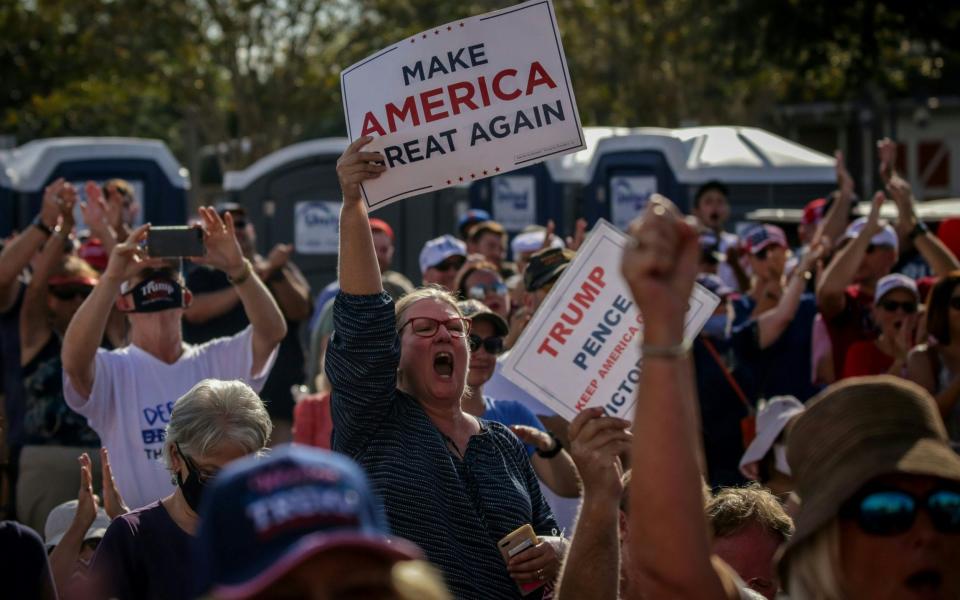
x,y
173,480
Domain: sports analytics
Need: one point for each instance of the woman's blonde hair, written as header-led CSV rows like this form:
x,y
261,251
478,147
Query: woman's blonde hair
x,y
427,292
812,571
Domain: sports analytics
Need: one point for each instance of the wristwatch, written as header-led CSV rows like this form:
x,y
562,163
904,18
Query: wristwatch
x,y
557,447
39,224
919,229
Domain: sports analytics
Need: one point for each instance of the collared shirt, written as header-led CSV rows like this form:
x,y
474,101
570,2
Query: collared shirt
x,y
454,509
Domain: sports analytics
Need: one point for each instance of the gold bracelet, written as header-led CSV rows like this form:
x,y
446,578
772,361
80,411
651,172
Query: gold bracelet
x,y
247,271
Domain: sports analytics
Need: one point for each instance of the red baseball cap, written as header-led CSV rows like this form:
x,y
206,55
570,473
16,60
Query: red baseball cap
x,y
814,211
381,225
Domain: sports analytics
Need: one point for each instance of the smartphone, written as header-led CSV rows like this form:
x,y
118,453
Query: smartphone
x,y
515,542
175,241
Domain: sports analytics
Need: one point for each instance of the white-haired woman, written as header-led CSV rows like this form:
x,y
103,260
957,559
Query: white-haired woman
x,y
451,482
146,552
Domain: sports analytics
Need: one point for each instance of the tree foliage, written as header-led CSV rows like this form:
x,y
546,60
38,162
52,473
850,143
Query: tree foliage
x,y
217,72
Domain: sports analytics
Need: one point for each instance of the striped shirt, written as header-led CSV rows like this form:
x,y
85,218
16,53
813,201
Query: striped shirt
x,y
456,510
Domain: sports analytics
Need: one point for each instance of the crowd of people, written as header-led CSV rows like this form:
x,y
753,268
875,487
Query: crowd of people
x,y
803,445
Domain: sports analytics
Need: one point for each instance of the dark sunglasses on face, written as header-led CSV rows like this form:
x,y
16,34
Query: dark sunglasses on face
x,y
70,292
457,327
763,253
493,344
890,512
892,306
451,264
480,291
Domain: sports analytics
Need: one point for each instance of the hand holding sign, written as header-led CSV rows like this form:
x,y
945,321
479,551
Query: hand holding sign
x,y
660,267
354,167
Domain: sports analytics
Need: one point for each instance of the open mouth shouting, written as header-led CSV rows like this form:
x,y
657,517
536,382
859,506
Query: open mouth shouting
x,y
926,583
443,364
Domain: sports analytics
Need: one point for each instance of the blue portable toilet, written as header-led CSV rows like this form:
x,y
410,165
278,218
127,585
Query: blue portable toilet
x,y
160,183
543,191
293,196
761,169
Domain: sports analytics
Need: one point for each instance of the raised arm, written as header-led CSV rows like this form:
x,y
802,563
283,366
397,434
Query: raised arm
x,y
289,286
34,327
835,221
16,255
775,321
841,270
86,328
669,539
358,270
94,212
592,565
223,252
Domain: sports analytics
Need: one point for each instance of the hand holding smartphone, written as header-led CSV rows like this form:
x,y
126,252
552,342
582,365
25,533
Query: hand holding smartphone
x,y
515,542
175,242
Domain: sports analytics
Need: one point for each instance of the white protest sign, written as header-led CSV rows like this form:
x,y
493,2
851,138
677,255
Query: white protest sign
x,y
628,197
582,348
514,201
464,101
316,227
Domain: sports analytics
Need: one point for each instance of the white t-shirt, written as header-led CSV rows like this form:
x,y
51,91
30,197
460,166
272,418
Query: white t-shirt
x,y
132,397
724,270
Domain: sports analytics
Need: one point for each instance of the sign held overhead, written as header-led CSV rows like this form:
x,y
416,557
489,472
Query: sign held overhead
x,y
463,101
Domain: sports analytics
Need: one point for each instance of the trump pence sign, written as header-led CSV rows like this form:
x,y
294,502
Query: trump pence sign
x,y
464,101
582,347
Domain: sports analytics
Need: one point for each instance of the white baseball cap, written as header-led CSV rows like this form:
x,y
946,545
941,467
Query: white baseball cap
x,y
896,281
60,518
439,249
532,241
887,236
771,420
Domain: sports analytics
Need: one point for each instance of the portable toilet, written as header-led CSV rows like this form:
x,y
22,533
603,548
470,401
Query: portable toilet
x,y
6,197
293,196
160,183
543,191
762,170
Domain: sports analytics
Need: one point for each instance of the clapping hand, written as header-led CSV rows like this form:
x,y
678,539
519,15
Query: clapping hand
x,y
113,502
94,211
87,501
579,235
844,179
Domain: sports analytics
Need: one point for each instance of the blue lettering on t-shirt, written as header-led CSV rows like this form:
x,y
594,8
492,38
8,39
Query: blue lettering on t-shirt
x,y
160,412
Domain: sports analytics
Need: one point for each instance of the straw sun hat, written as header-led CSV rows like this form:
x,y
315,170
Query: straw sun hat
x,y
856,430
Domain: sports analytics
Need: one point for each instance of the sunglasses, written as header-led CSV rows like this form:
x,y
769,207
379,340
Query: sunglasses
x,y
493,344
892,511
70,292
892,306
453,264
457,327
764,252
480,291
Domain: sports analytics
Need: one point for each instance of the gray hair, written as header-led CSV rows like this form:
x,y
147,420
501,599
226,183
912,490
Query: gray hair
x,y
213,412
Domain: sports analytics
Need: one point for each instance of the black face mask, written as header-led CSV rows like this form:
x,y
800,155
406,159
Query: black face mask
x,y
191,487
156,294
